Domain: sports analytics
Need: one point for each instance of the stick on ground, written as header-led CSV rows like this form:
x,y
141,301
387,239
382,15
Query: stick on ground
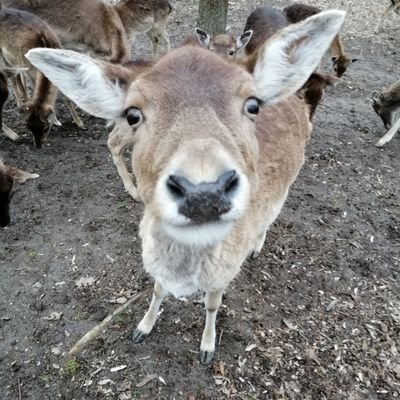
x,y
93,333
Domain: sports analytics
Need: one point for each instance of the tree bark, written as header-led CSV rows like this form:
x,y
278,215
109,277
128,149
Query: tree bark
x,y
212,16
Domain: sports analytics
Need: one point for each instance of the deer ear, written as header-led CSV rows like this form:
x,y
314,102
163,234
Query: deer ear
x,y
84,80
287,59
334,59
354,60
243,39
203,37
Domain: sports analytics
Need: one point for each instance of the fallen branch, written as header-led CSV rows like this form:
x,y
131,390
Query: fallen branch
x,y
93,333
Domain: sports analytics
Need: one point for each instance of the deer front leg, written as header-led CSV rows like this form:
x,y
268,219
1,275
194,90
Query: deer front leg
x,y
147,323
389,134
118,140
259,245
20,93
379,25
72,111
212,301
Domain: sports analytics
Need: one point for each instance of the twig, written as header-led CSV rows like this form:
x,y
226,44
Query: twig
x,y
93,333
19,389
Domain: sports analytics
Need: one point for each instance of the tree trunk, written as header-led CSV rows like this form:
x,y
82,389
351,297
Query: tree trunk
x,y
212,16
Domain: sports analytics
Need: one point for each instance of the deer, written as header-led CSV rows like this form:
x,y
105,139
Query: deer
x,y
224,44
394,6
5,75
386,104
105,29
340,60
216,151
264,22
8,177
19,32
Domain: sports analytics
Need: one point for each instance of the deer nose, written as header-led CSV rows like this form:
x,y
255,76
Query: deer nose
x,y
206,201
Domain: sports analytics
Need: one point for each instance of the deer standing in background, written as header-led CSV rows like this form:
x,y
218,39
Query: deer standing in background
x,y
216,150
19,32
104,28
387,105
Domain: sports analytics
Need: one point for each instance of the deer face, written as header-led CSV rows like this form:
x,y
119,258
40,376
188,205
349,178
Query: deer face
x,y
195,150
39,121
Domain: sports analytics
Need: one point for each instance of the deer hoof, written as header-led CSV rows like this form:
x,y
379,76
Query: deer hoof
x,y
138,336
206,357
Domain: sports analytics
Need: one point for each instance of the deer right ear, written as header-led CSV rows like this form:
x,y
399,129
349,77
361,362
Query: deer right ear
x,y
82,79
203,37
288,58
243,39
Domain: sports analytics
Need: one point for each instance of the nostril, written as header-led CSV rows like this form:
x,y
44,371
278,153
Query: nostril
x,y
229,182
178,186
232,183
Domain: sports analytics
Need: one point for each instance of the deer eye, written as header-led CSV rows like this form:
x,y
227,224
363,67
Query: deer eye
x,y
134,116
231,52
252,106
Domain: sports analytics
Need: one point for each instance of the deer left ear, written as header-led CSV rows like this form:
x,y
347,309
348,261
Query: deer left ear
x,y
203,37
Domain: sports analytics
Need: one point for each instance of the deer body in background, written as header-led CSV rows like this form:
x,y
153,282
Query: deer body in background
x,y
263,22
19,32
340,60
99,26
387,105
216,150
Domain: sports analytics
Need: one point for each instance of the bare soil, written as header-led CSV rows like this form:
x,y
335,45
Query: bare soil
x,y
316,316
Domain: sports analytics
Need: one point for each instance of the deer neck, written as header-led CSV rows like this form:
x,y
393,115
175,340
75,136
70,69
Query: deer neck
x,y
45,92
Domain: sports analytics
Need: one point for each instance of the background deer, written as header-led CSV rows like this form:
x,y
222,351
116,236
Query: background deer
x,y
9,176
102,27
216,150
393,7
340,60
264,22
19,32
387,105
224,45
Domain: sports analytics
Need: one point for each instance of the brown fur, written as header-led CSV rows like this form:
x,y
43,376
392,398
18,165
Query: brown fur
x,y
313,90
100,26
264,22
298,12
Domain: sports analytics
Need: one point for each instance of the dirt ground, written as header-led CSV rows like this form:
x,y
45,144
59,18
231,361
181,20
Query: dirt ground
x,y
316,316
